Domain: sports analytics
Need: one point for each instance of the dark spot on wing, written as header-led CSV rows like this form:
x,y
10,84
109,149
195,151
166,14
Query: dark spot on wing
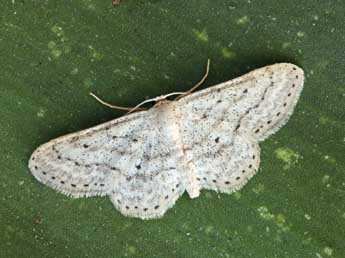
x,y
73,139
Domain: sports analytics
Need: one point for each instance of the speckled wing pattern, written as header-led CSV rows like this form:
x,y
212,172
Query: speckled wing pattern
x,y
223,125
145,161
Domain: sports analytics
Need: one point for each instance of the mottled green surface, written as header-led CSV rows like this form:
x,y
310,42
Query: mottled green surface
x,y
53,53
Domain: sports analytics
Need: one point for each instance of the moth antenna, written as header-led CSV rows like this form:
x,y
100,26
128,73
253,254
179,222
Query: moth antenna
x,y
155,99
199,83
130,109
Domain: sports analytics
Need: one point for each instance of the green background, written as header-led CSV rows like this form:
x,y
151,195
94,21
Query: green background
x,y
53,53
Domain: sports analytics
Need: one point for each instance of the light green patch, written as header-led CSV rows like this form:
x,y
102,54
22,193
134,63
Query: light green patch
x,y
322,65
56,53
55,48
286,45
325,179
209,230
259,188
323,120
81,205
131,250
74,71
237,195
88,82
264,213
279,219
201,35
288,156
95,55
66,49
228,53
306,241
307,217
208,195
58,31
328,251
91,7
330,159
243,20
300,34
51,44
250,229
41,113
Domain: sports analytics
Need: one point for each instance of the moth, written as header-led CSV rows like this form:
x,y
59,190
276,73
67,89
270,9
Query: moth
x,y
146,160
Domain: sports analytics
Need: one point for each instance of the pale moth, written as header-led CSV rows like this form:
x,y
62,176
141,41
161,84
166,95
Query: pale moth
x,y
146,160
